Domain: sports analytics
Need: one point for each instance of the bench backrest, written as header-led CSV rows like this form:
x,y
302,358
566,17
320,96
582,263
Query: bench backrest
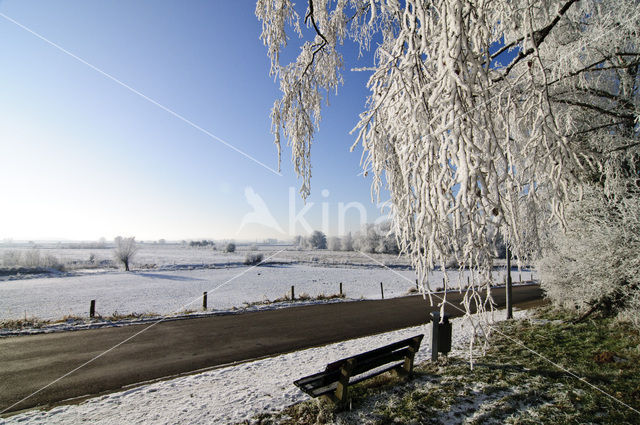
x,y
379,356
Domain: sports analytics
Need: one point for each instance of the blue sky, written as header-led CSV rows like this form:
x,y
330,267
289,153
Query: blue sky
x,y
83,157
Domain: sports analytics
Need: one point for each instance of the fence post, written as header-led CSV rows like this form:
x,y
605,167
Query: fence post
x,y
508,294
381,290
293,293
92,309
340,288
204,300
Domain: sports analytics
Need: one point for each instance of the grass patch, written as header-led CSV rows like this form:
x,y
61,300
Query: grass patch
x,y
509,384
303,297
31,322
115,316
35,323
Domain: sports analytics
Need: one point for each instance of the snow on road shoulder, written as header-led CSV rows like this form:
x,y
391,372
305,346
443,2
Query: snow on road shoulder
x,y
234,393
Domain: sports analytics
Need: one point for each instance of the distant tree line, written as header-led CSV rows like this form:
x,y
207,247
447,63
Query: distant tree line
x,y
372,238
202,243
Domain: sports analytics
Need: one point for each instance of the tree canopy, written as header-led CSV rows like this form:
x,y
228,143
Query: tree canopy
x,y
483,117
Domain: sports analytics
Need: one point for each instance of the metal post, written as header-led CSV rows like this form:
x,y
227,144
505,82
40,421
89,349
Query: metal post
x,y
340,288
204,300
92,309
509,297
381,290
293,293
435,320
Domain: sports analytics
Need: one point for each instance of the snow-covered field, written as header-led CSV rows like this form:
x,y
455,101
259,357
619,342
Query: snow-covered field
x,y
229,394
166,256
175,291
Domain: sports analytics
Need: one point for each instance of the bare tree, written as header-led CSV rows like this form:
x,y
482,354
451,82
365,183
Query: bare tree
x,y
125,250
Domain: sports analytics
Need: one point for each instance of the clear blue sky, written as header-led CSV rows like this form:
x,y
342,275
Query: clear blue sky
x,y
83,157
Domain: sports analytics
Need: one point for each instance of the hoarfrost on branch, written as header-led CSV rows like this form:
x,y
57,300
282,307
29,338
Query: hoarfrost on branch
x,y
483,117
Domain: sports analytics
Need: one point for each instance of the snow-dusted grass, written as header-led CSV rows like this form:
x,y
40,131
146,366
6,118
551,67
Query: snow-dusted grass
x,y
229,394
509,384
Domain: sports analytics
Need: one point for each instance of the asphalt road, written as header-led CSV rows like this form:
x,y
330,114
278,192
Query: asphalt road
x,y
56,362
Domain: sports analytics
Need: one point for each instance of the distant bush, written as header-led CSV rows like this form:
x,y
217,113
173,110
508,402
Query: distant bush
x,y
11,258
253,258
318,240
367,239
31,260
346,243
230,247
334,243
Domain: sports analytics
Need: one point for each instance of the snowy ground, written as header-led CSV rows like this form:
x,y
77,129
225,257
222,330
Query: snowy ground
x,y
230,394
174,291
165,256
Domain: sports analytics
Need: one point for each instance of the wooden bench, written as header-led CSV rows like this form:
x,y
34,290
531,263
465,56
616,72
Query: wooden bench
x,y
334,381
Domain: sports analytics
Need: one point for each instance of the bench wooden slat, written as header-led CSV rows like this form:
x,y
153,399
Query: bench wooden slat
x,y
327,387
327,379
373,353
378,372
380,360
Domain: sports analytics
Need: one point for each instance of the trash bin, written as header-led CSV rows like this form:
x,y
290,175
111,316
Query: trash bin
x,y
440,335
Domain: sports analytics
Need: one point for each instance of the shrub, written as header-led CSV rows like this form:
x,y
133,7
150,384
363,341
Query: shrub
x,y
230,247
31,258
347,242
11,258
301,242
318,240
334,244
367,239
253,258
594,265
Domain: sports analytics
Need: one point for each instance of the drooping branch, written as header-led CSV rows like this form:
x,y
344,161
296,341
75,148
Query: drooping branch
x,y
537,38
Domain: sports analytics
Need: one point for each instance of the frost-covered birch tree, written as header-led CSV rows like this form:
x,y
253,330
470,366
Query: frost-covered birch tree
x,y
483,116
